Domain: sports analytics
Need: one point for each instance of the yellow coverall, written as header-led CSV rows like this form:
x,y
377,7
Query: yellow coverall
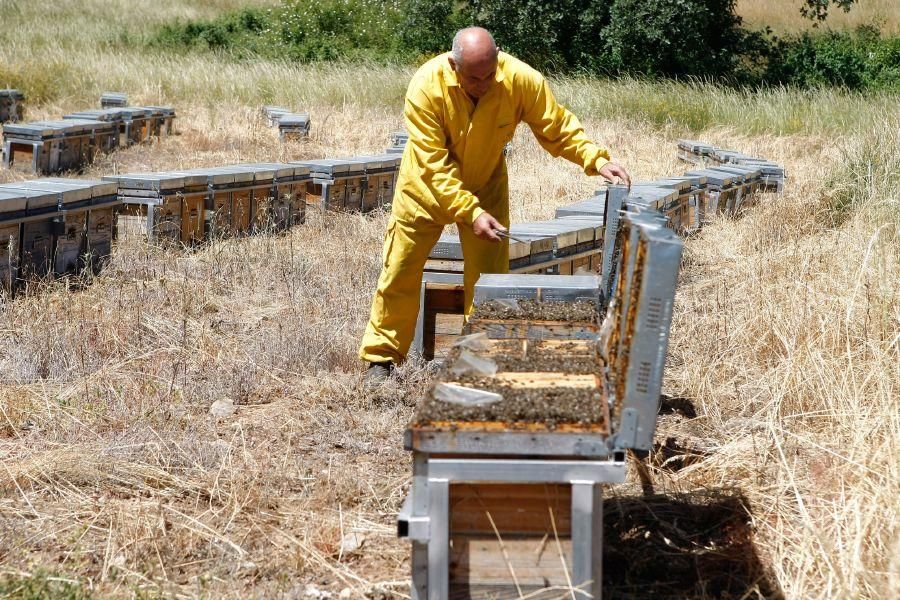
x,y
453,169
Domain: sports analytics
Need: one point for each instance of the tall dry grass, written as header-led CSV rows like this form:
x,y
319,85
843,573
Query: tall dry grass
x,y
117,479
784,16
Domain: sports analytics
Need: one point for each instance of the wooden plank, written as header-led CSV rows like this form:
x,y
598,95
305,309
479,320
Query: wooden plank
x,y
445,299
448,324
546,380
480,560
515,508
500,529
444,266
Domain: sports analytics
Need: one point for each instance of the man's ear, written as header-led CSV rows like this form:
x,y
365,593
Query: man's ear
x,y
452,63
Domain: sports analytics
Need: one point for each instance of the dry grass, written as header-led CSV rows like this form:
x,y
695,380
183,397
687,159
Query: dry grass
x,y
784,15
115,476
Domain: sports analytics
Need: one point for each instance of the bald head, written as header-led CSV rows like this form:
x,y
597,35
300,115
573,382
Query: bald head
x,y
474,58
474,44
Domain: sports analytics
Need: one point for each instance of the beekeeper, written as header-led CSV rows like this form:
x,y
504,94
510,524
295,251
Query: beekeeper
x,y
461,108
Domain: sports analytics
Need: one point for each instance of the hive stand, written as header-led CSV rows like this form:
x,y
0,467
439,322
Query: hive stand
x,y
473,512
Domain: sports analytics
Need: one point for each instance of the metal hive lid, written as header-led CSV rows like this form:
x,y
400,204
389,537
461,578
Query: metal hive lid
x,y
765,166
373,162
296,119
720,178
152,111
591,206
12,201
594,223
696,180
71,181
98,114
280,170
681,184
238,175
566,234
213,175
746,173
261,173
695,146
165,111
37,129
35,199
67,191
100,188
12,93
148,181
114,96
134,112
538,287
647,191
325,166
191,180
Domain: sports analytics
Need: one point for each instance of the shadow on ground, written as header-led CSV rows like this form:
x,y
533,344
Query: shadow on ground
x,y
697,545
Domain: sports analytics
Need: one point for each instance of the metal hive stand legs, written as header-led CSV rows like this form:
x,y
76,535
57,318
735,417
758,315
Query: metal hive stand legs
x,y
425,517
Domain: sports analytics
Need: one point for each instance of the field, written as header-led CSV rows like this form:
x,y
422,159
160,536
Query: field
x,y
117,481
784,16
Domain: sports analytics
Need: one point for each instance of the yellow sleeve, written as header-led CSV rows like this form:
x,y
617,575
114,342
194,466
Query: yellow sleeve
x,y
556,129
439,172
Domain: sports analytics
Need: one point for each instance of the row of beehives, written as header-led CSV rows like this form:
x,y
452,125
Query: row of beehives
x,y
54,226
73,141
12,106
46,224
189,206
731,180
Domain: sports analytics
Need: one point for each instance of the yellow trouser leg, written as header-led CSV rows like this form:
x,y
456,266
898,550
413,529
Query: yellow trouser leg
x,y
392,321
482,256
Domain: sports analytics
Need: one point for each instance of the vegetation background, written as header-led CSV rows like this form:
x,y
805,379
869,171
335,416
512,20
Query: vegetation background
x,y
118,482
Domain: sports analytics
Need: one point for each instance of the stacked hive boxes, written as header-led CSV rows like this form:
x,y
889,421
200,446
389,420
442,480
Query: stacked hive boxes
x,y
54,226
12,107
398,141
355,184
55,146
188,207
113,99
74,141
293,125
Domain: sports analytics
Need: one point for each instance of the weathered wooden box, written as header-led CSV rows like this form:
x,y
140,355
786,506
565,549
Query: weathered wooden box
x,y
12,106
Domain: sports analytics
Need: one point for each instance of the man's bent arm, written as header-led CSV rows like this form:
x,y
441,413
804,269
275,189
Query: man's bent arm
x,y
556,129
439,172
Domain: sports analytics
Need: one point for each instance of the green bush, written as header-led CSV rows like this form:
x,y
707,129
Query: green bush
x,y
855,60
701,39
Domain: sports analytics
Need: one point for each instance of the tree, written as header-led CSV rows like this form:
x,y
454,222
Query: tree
x,y
817,10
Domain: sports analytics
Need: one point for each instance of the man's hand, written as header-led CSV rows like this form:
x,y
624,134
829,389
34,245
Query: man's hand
x,y
615,174
486,226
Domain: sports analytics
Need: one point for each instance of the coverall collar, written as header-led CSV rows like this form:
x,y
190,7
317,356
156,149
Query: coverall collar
x,y
451,80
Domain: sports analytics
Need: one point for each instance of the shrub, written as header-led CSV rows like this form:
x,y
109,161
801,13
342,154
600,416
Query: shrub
x,y
651,38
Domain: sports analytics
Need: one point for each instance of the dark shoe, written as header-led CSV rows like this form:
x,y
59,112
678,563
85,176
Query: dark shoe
x,y
378,373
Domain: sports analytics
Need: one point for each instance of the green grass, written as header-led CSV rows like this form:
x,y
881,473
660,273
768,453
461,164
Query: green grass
x,y
41,586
